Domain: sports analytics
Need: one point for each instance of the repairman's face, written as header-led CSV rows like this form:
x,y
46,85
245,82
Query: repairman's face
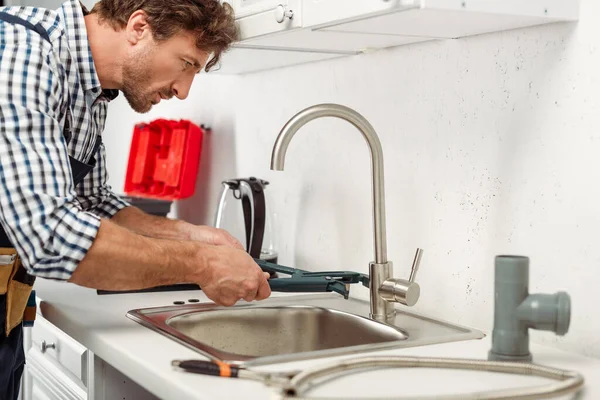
x,y
157,70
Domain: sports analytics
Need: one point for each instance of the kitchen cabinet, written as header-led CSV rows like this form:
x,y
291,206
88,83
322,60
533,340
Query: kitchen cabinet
x,y
265,27
57,366
49,381
60,368
263,17
288,32
434,18
271,20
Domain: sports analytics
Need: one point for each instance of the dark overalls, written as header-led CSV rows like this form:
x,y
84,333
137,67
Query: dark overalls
x,y
12,355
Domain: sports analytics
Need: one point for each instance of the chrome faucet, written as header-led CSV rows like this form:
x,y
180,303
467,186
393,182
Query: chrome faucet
x,y
384,289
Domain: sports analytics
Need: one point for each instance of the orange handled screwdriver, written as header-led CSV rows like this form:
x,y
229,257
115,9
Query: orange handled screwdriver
x,y
215,368
219,368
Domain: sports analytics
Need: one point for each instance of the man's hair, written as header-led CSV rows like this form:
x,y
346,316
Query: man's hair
x,y
212,23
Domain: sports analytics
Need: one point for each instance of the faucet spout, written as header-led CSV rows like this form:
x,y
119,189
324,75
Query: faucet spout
x,y
383,289
360,122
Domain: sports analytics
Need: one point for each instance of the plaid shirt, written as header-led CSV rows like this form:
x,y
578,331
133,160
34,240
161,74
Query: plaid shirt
x,y
51,106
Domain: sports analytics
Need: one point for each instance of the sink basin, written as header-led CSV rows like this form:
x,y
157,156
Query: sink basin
x,y
282,329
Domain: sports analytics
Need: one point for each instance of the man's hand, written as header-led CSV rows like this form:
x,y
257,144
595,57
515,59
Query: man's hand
x,y
230,274
214,236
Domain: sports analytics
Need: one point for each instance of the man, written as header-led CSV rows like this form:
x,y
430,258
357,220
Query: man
x,y
59,219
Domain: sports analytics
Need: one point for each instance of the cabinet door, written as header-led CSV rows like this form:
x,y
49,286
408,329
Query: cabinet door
x,y
244,8
57,346
324,27
257,18
50,381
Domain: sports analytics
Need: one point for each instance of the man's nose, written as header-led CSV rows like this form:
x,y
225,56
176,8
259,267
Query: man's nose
x,y
181,88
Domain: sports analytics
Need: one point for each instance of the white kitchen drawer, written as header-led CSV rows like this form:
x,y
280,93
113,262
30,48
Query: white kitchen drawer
x,y
49,382
254,21
54,344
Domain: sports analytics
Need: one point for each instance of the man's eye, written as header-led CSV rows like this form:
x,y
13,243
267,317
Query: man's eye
x,y
187,64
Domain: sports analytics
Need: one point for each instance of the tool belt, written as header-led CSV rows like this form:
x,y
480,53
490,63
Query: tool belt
x,y
16,284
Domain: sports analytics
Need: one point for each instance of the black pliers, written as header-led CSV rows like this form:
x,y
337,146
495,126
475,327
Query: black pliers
x,y
305,281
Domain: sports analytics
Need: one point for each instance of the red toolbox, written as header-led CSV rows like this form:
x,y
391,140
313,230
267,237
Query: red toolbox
x,y
163,159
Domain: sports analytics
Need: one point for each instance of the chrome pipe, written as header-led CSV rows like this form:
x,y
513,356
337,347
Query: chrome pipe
x,y
568,381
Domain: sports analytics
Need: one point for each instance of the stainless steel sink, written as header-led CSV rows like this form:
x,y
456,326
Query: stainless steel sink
x,y
293,328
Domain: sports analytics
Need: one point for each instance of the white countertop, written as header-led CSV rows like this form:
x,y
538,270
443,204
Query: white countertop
x,y
100,324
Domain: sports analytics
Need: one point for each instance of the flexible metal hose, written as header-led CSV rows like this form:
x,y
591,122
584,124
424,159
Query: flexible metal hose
x,y
570,382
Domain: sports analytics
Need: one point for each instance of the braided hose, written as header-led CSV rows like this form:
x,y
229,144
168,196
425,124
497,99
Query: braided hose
x,y
569,382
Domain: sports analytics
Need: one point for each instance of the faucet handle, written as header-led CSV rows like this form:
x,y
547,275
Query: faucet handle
x,y
403,291
415,265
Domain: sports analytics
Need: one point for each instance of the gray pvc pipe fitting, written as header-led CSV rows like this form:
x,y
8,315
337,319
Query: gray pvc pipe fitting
x,y
516,311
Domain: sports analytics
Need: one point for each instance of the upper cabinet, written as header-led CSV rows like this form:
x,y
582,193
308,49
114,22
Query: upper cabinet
x,y
257,18
434,18
277,33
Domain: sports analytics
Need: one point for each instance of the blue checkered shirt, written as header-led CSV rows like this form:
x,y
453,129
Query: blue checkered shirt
x,y
51,106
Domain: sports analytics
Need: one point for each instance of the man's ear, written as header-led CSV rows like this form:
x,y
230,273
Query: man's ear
x,y
137,27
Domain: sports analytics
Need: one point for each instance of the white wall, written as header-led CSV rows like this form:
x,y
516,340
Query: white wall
x,y
491,146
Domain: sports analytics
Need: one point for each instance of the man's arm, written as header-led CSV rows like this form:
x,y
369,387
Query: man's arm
x,y
95,195
122,260
145,224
